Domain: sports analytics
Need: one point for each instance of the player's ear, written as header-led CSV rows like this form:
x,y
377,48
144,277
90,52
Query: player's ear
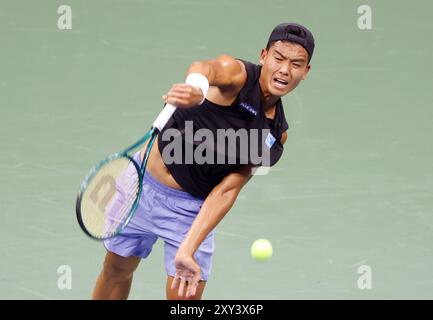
x,y
307,69
263,55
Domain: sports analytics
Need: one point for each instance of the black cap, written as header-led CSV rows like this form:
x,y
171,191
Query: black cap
x,y
294,32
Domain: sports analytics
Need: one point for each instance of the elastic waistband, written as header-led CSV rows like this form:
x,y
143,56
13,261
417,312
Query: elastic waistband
x,y
155,184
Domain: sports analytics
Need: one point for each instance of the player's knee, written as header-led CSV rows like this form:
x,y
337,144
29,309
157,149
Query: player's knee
x,y
116,272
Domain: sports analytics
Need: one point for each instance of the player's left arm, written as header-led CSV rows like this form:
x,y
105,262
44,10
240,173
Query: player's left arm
x,y
284,137
214,208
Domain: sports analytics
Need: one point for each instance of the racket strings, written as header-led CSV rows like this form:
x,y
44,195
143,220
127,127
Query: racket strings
x,y
123,211
109,198
115,219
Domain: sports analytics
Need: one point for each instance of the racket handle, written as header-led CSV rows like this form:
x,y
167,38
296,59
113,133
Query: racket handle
x,y
163,117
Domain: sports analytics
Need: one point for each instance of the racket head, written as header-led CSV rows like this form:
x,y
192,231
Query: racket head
x,y
108,196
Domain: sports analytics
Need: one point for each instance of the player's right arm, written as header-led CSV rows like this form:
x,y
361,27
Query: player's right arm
x,y
224,72
226,77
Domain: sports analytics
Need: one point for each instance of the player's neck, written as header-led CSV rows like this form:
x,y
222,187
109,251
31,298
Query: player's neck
x,y
269,103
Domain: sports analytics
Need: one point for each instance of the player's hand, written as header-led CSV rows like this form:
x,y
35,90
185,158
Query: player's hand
x,y
183,96
188,275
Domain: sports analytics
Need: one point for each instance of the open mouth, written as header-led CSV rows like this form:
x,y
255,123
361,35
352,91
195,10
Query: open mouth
x,y
280,83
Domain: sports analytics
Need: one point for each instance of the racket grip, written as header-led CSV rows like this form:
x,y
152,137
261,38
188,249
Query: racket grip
x,y
163,117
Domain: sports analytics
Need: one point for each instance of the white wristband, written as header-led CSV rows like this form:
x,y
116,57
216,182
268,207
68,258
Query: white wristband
x,y
200,81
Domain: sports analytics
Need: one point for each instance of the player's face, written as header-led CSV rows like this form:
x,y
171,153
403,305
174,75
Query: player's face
x,y
284,65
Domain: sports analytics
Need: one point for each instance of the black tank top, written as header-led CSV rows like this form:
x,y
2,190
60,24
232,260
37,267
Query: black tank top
x,y
245,114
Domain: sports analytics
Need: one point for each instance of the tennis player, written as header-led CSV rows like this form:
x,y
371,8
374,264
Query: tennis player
x,y
183,201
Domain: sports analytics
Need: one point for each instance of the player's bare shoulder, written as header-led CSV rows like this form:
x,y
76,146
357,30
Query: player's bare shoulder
x,y
230,73
229,77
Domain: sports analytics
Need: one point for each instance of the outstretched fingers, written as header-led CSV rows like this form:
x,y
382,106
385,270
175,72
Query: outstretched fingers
x,y
192,288
187,286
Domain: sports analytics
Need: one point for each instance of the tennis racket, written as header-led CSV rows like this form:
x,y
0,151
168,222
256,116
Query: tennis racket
x,y
110,193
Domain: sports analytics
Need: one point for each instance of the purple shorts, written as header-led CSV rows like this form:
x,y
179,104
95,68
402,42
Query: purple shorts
x,y
165,213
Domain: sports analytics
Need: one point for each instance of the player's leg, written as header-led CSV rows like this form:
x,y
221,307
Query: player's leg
x,y
114,281
203,257
172,294
125,251
173,213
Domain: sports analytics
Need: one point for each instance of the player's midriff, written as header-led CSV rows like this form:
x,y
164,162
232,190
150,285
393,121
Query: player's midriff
x,y
157,169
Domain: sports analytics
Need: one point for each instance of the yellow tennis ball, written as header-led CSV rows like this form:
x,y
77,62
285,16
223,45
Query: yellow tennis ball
x,y
261,249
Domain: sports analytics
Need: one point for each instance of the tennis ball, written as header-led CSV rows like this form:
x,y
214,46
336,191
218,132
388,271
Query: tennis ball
x,y
261,249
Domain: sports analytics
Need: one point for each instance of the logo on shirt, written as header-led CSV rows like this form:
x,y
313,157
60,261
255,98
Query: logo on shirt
x,y
270,140
248,107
